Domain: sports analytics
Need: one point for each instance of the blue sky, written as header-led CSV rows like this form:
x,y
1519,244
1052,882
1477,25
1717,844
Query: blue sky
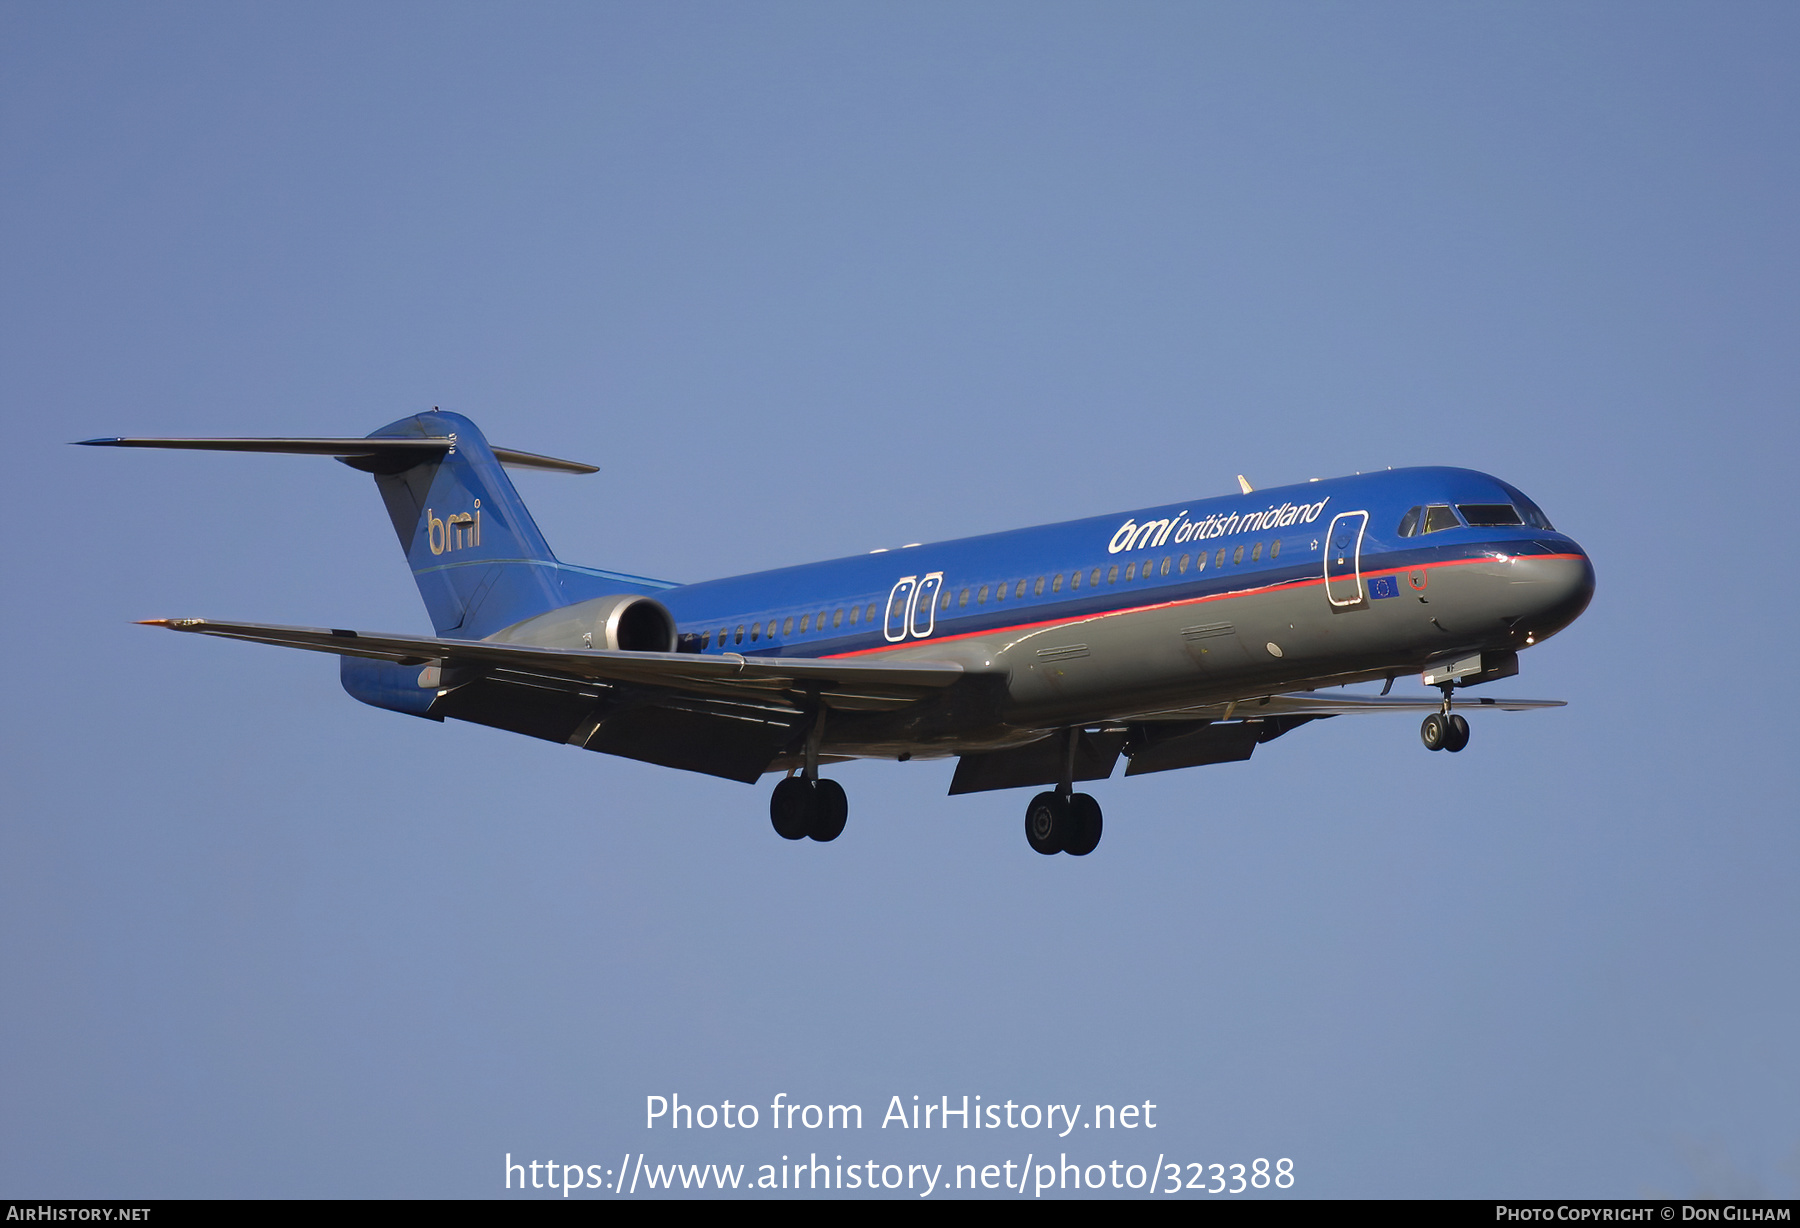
x,y
810,279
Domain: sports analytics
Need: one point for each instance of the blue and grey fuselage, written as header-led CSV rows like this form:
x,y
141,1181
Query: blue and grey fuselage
x,y
1147,627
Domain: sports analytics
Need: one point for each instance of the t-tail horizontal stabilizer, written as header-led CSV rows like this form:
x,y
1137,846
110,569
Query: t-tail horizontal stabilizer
x,y
369,455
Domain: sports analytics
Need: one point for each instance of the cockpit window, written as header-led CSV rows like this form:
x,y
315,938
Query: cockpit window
x,y
1438,517
1489,513
1534,515
1409,523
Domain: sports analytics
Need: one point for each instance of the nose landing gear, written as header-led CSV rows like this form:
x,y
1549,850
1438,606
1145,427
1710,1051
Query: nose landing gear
x,y
1445,730
1064,821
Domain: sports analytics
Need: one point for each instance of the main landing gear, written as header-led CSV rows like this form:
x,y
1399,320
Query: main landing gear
x,y
805,805
1445,730
800,808
1064,821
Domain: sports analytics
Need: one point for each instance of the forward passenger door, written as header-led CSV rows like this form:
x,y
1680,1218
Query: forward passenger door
x,y
1343,559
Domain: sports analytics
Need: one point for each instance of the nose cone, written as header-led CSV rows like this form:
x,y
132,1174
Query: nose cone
x,y
1550,591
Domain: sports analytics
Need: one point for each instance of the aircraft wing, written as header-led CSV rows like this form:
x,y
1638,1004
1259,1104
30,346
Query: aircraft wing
x,y
1310,703
844,684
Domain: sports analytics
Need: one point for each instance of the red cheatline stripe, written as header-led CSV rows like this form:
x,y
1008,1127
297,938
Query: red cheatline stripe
x,y
1164,605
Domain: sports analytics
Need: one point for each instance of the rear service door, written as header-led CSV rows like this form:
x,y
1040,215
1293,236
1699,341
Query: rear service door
x,y
1343,558
899,607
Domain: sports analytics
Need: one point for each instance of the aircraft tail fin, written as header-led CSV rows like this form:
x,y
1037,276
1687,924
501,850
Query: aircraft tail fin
x,y
478,558
476,554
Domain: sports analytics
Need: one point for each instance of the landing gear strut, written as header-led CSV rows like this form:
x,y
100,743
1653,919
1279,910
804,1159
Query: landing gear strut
x,y
1445,730
1064,821
805,805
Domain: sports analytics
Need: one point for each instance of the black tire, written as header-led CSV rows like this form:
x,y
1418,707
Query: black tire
x,y
1434,731
1457,736
1047,823
830,810
1084,826
790,808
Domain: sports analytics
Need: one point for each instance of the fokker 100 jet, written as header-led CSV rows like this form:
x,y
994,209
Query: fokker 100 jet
x,y
1173,636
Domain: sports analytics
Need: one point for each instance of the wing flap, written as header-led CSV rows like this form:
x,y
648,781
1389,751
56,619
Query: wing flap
x,y
857,683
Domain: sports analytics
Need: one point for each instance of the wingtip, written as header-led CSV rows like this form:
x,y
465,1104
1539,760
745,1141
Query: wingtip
x,y
173,624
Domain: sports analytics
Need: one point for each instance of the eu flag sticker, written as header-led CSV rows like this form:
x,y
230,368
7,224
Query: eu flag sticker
x,y
1383,586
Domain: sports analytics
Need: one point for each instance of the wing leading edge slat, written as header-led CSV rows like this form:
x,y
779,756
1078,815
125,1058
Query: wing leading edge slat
x,y
1309,704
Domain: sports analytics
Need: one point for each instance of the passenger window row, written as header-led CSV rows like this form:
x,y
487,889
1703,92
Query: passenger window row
x,y
785,627
1145,570
815,624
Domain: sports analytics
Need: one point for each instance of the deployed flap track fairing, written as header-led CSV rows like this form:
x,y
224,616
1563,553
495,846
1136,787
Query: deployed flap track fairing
x,y
1172,638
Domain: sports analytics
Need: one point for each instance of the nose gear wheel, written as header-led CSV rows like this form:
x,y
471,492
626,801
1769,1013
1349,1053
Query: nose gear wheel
x,y
1440,732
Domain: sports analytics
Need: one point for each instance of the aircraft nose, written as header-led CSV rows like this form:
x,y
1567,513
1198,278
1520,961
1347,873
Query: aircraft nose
x,y
1553,590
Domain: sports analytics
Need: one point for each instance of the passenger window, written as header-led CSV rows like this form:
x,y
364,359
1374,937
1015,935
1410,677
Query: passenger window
x,y
805,621
740,634
981,597
787,627
1112,574
724,633
944,601
1489,513
870,612
1074,580
855,614
1182,566
963,600
1275,547
1020,591
1131,571
1409,523
1439,517
1037,589
1237,556
705,640
1219,559
1094,580
1256,553
837,619
1165,566
755,631
1001,589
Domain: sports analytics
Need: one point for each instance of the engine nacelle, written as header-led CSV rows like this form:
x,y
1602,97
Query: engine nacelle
x,y
622,621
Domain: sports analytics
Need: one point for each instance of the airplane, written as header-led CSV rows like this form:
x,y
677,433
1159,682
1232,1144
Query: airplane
x,y
1173,636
